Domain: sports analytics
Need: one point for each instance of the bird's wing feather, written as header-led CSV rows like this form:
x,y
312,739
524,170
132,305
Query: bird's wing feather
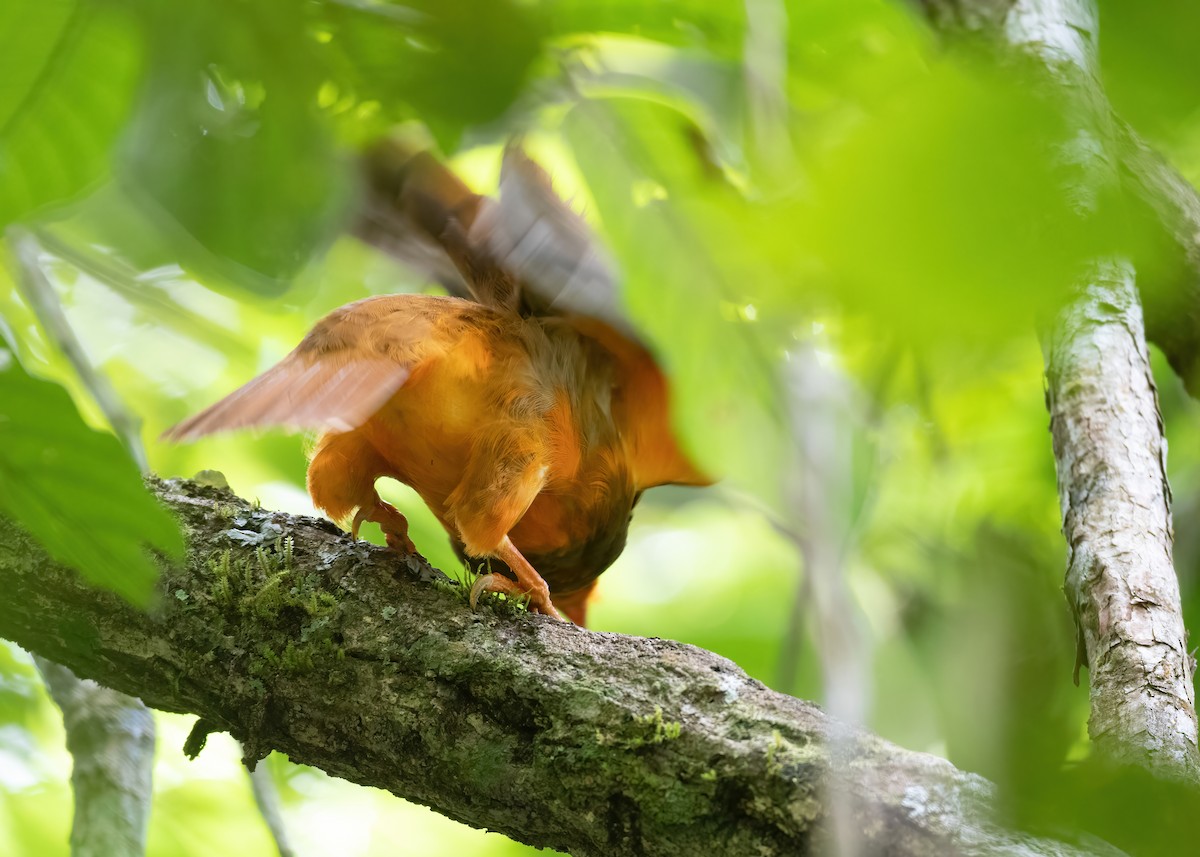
x,y
527,250
299,394
548,246
344,371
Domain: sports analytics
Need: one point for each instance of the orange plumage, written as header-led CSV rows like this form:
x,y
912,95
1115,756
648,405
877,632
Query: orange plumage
x,y
529,428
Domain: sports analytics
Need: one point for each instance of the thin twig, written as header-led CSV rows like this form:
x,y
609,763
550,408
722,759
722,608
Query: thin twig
x,y
266,796
43,300
138,289
764,68
820,494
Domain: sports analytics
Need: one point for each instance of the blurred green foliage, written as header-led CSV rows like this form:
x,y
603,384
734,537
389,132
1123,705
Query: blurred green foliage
x,y
75,489
1150,65
68,72
769,176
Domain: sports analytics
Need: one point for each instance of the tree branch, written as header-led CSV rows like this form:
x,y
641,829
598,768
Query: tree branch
x,y
290,636
1109,447
1121,583
43,300
111,739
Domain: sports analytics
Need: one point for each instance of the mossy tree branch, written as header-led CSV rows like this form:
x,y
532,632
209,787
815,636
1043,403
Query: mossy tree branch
x,y
290,636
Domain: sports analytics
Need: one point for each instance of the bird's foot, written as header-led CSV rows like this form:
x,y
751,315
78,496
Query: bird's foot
x,y
539,597
393,524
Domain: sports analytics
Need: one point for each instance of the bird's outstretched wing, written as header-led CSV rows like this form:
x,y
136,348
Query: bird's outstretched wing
x,y
348,366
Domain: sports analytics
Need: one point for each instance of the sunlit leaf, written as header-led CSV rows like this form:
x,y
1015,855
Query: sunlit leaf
x,y
850,53
607,65
75,489
718,28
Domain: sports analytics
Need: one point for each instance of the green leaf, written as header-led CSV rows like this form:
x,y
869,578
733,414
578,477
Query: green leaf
x,y
76,490
717,28
233,149
67,74
229,153
1150,64
451,63
942,213
687,280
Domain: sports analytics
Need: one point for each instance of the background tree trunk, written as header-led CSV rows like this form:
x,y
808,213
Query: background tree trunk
x,y
111,739
1116,508
1109,446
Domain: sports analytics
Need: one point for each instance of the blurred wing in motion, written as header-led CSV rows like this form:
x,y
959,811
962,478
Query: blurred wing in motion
x,y
527,250
547,246
419,213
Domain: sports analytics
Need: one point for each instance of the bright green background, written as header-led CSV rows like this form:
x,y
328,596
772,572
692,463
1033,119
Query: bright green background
x,y
831,178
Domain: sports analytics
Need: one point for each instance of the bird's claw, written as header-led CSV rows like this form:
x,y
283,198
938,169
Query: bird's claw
x,y
482,584
391,522
363,514
400,543
539,602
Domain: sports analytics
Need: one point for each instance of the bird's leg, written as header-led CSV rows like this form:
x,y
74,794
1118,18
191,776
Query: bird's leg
x,y
528,583
506,471
574,604
393,524
341,479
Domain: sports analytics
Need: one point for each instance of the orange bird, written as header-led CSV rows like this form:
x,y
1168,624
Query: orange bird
x,y
528,416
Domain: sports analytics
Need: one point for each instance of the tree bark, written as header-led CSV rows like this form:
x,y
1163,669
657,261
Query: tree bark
x,y
1120,581
290,636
